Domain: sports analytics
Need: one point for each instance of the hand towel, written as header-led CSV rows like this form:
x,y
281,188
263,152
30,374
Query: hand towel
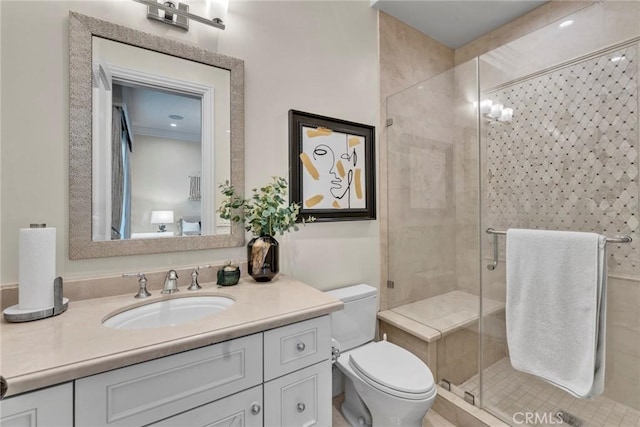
x,y
556,307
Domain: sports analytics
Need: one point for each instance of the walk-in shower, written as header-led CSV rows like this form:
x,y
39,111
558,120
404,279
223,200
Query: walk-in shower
x,y
541,133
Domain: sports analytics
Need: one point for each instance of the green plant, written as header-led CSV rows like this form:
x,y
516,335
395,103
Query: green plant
x,y
266,212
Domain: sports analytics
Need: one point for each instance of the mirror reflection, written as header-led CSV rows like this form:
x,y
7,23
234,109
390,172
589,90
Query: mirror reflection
x,y
108,63
160,146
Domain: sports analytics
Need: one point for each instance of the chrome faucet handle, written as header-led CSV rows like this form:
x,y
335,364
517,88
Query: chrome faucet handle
x,y
194,286
142,281
170,283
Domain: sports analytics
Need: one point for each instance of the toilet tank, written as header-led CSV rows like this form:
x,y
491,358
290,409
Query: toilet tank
x,y
356,323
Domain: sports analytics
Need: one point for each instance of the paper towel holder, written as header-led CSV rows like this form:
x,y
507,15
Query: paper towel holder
x,y
60,304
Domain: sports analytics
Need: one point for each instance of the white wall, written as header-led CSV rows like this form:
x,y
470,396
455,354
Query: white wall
x,y
319,57
160,170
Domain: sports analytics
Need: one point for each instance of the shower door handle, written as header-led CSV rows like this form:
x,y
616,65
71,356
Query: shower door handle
x,y
494,264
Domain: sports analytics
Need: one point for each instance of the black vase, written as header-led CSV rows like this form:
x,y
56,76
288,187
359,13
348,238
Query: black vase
x,y
263,256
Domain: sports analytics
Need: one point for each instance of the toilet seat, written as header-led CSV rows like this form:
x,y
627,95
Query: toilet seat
x,y
393,370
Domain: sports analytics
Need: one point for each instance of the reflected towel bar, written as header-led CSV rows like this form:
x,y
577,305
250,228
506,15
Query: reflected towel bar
x,y
496,233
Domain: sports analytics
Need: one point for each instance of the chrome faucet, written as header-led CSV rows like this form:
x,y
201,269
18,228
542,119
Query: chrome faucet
x,y
170,283
195,286
142,282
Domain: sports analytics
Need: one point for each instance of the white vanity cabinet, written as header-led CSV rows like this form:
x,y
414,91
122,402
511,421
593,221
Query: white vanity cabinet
x,y
152,391
302,398
49,407
297,374
280,377
243,409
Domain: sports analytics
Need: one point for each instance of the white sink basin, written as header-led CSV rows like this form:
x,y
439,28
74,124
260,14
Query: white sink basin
x,y
169,312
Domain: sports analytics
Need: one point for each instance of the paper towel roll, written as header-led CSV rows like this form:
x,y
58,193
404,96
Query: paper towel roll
x,y
36,267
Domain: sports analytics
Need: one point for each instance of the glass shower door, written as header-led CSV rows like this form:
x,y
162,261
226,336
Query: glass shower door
x,y
433,234
565,159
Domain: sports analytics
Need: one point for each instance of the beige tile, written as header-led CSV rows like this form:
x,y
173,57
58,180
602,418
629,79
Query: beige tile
x,y
458,356
558,9
461,345
624,364
427,352
461,413
408,56
445,407
508,391
517,28
624,340
449,311
433,419
416,329
623,389
623,302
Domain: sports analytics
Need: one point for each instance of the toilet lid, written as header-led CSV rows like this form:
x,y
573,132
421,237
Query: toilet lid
x,y
393,367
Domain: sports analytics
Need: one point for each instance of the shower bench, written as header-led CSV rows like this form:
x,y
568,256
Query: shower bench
x,y
443,332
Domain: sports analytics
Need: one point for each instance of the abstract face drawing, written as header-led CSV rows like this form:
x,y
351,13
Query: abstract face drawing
x,y
333,177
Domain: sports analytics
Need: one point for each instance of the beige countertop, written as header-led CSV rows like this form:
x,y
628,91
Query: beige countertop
x,y
75,344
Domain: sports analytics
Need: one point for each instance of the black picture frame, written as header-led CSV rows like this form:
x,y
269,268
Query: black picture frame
x,y
328,177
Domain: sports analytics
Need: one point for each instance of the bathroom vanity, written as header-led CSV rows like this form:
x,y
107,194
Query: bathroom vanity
x,y
266,360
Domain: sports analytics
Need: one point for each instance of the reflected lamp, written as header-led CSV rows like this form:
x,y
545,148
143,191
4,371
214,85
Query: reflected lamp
x,y
162,218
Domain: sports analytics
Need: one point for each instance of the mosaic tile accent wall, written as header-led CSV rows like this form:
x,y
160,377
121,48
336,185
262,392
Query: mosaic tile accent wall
x,y
568,160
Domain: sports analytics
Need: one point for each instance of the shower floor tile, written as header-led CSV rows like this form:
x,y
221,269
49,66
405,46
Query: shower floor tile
x,y
511,393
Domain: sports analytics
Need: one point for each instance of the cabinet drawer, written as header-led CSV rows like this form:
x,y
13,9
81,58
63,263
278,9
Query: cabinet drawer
x,y
154,390
302,398
240,410
293,347
42,408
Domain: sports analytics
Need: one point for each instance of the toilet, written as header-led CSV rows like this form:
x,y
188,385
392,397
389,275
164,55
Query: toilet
x,y
385,385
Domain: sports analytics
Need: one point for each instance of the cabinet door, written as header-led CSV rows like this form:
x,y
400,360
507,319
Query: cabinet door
x,y
240,410
302,398
151,391
296,346
50,407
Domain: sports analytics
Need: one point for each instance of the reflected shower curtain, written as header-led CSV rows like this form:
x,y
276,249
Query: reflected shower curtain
x,y
120,177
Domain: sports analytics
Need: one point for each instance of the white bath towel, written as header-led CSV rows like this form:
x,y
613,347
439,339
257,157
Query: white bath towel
x,y
556,307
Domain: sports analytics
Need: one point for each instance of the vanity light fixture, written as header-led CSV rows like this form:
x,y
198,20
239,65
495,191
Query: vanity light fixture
x,y
176,13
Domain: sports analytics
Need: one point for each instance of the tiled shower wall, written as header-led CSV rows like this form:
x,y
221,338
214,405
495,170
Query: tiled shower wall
x,y
420,156
569,158
569,161
623,337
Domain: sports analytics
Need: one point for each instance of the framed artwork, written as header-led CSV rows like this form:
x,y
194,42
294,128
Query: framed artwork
x,y
332,167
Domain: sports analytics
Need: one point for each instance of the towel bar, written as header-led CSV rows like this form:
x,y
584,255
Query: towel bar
x,y
496,233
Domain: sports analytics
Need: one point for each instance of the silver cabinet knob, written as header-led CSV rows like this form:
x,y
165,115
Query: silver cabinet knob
x,y
301,346
255,409
301,407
